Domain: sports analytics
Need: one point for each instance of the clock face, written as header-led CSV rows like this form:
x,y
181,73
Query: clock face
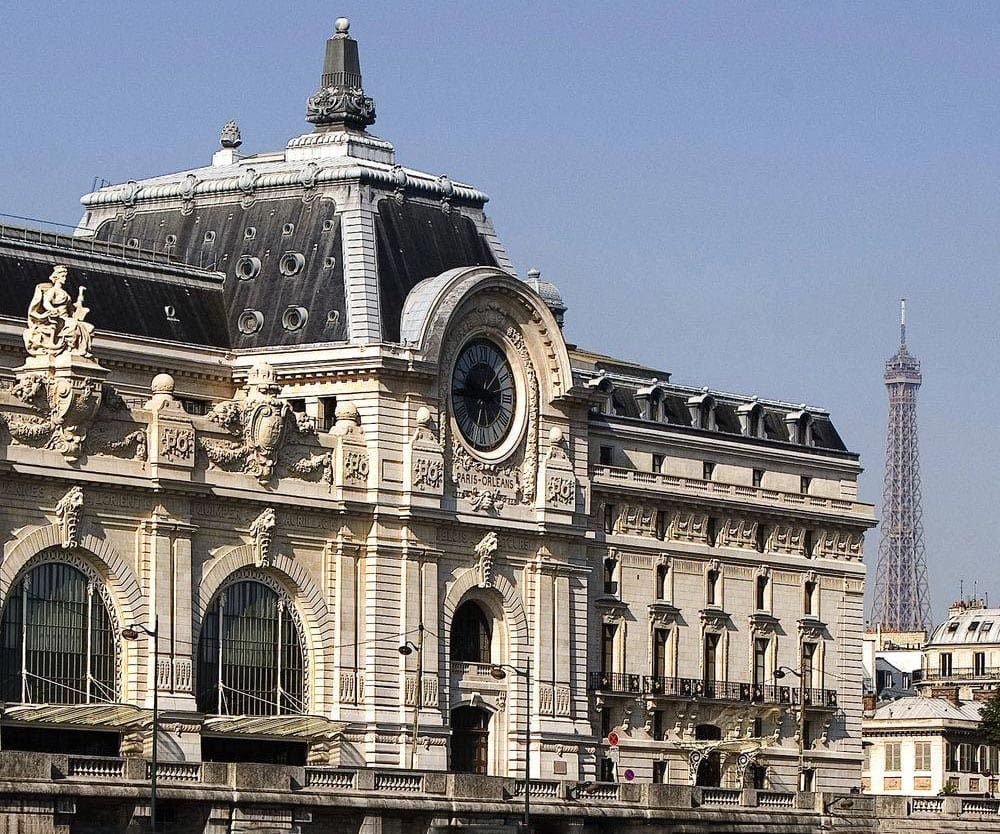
x,y
483,394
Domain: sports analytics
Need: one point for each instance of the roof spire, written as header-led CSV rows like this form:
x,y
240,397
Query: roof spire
x,y
340,101
902,324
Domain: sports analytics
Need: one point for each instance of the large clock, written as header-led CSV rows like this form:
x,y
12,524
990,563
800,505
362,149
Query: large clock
x,y
483,394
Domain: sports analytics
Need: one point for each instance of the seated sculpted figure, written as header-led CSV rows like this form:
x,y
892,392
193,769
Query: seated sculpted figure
x,y
52,327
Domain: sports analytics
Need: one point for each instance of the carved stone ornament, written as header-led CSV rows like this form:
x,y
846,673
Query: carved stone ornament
x,y
68,512
262,423
352,466
557,474
261,532
489,486
230,136
59,388
689,527
424,457
55,326
485,551
738,532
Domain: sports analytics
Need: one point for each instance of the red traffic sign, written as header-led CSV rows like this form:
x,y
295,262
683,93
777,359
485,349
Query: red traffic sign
x,y
613,739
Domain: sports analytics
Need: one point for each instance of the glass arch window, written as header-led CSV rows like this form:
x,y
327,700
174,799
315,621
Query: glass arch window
x,y
58,644
250,655
471,634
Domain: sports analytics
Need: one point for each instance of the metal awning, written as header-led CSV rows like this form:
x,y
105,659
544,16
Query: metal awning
x,y
300,727
111,716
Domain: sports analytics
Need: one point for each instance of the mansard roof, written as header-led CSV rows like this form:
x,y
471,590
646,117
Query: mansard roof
x,y
973,624
320,242
127,292
636,393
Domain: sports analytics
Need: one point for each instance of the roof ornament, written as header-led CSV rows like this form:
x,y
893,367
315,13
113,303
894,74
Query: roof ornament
x,y
230,137
55,323
341,101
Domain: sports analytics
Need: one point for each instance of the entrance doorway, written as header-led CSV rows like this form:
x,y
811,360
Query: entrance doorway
x,y
470,740
710,768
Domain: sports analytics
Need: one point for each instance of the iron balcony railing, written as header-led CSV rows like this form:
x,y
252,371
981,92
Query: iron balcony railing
x,y
956,674
626,684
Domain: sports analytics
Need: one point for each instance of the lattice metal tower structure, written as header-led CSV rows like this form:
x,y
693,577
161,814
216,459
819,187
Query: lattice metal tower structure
x,y
902,597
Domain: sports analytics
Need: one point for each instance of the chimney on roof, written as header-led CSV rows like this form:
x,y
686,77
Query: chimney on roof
x,y
341,103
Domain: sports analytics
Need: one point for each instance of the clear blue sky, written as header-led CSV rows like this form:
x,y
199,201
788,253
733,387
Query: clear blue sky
x,y
738,193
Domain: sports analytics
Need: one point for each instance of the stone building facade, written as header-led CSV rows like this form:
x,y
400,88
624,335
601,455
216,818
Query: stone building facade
x,y
295,412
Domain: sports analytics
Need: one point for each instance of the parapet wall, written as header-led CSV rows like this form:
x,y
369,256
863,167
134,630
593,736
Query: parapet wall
x,y
54,794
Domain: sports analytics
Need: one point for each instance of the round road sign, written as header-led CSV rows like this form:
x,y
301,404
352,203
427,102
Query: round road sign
x,y
613,739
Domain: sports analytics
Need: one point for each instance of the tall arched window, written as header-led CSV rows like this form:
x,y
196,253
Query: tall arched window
x,y
250,656
471,634
57,639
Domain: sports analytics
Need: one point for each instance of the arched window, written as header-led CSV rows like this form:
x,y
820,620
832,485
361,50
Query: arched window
x,y
250,655
471,634
57,639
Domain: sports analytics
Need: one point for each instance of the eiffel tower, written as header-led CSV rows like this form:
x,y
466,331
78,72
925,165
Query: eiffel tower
x,y
902,598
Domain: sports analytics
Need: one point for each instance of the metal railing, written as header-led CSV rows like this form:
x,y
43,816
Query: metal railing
x,y
626,684
128,249
962,673
638,478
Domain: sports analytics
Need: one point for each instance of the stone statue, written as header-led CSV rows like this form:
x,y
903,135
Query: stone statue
x,y
53,328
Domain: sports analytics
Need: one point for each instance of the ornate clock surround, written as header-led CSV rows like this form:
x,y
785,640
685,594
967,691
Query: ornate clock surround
x,y
493,481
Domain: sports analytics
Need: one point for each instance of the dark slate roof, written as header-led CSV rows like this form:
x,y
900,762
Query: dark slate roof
x,y
415,242
124,296
223,236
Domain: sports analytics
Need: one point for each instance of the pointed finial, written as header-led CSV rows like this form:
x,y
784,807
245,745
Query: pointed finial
x,y
341,100
230,136
902,323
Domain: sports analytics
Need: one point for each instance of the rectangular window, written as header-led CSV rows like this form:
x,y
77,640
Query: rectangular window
x,y
608,648
804,483
711,658
607,771
661,524
712,587
611,576
922,755
760,646
661,581
712,531
944,664
605,721
657,463
658,730
761,593
661,637
808,658
707,470
758,727
758,477
606,455
659,772
808,599
609,518
965,758
979,663
893,756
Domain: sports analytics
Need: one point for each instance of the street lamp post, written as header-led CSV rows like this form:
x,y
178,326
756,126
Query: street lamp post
x,y
418,696
779,673
133,634
499,671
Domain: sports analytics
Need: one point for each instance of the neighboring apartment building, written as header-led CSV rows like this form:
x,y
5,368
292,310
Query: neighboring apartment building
x,y
926,745
306,415
892,661
964,651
